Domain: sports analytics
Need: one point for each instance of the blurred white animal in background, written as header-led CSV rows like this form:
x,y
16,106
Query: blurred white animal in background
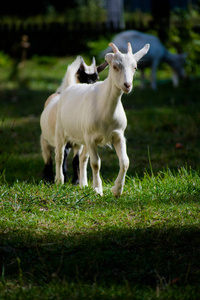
x,y
156,54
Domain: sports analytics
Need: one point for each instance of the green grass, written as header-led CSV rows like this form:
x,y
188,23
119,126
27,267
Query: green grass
x,y
63,242
58,241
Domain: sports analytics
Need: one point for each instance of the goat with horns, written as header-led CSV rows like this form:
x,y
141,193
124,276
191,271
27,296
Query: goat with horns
x,y
93,115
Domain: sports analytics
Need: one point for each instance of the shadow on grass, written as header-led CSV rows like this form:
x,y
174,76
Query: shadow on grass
x,y
22,102
147,257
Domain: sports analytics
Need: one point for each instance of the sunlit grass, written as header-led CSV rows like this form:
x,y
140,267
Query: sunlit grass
x,y
149,237
64,242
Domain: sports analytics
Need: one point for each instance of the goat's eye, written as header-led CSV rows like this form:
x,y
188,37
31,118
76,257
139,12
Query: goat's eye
x,y
115,68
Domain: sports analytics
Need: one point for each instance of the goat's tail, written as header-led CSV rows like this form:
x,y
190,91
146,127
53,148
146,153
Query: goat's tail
x,y
70,75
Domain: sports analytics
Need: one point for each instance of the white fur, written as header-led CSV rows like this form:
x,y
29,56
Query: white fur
x,y
70,75
93,115
48,116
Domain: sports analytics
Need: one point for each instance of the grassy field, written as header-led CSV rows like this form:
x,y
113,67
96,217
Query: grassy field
x,y
63,242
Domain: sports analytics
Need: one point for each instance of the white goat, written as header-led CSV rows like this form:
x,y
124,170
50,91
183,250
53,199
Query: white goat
x,y
93,115
157,54
77,72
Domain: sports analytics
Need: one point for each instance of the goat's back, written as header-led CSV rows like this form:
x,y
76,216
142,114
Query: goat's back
x,y
48,120
74,110
138,40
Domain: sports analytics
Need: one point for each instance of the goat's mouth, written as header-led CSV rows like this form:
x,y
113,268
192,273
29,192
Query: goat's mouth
x,y
127,90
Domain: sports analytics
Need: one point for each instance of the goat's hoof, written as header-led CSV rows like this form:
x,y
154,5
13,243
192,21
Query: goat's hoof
x,y
59,181
116,192
99,191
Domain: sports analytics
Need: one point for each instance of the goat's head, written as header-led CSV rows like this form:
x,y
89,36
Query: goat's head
x,y
177,65
89,74
123,66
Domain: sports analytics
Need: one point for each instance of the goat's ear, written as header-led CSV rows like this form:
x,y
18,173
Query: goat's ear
x,y
109,57
82,64
93,61
102,66
138,55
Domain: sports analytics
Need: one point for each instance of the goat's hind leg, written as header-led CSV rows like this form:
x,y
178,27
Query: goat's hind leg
x,y
75,164
59,156
64,165
47,157
119,143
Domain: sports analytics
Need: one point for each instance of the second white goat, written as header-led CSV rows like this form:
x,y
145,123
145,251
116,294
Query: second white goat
x,y
77,72
93,115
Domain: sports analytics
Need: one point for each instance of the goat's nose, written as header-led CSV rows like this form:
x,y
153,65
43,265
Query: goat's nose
x,y
127,85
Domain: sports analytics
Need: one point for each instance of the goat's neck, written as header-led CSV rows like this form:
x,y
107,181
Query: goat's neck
x,y
169,58
112,97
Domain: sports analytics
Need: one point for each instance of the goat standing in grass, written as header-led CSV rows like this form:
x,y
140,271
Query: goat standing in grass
x,y
93,115
77,72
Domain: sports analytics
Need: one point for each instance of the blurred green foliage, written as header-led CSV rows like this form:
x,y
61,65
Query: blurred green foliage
x,y
184,34
90,11
5,60
95,47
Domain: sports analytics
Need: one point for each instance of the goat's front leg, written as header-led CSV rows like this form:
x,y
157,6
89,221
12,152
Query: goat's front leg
x,y
83,161
59,156
119,143
95,163
153,74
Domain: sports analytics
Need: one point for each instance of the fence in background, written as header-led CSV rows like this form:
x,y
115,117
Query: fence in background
x,y
54,38
59,38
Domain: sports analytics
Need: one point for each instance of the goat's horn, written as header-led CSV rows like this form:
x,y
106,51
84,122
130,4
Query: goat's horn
x,y
102,66
129,48
114,47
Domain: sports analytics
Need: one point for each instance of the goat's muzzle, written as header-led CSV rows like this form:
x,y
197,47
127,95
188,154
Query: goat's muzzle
x,y
127,87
